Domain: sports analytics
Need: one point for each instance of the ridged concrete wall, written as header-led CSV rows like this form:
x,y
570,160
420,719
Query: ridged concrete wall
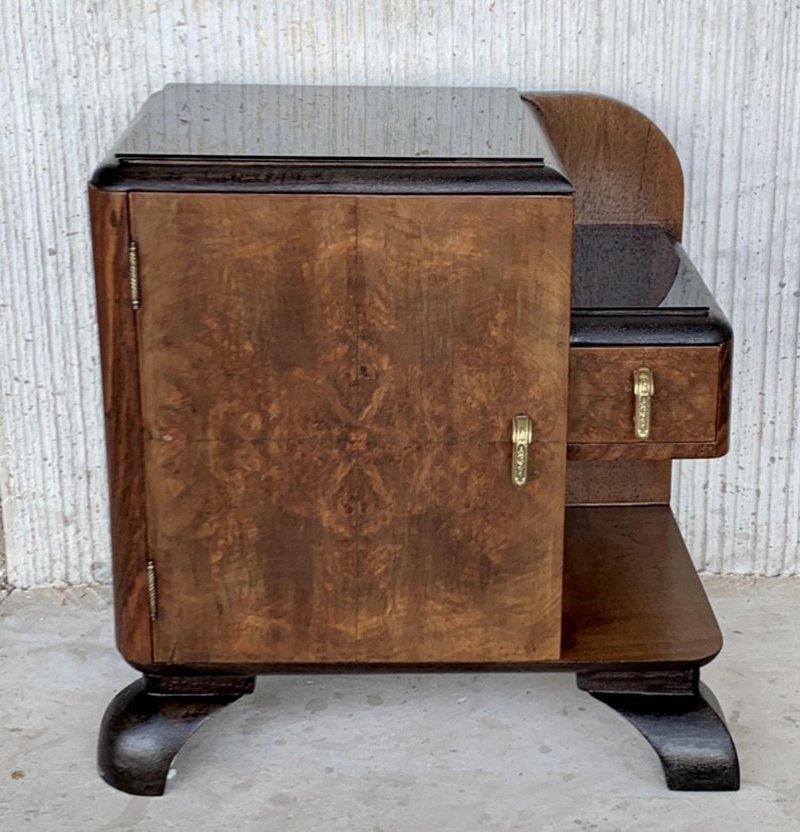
x,y
721,78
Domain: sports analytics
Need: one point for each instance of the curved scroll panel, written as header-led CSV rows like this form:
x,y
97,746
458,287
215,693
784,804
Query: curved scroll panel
x,y
624,169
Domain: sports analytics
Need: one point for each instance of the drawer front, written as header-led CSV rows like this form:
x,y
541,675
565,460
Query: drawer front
x,y
688,407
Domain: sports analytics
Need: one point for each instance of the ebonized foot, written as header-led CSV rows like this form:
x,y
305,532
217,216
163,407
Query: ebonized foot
x,y
680,717
146,725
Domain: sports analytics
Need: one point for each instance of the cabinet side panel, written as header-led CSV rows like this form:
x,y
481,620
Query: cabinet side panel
x,y
116,319
724,400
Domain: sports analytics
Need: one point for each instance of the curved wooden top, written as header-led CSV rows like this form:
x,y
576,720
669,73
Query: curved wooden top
x,y
623,168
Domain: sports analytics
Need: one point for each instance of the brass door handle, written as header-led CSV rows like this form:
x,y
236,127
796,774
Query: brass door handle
x,y
521,438
643,391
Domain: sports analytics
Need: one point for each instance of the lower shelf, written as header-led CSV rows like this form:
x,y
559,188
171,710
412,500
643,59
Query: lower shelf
x,y
631,591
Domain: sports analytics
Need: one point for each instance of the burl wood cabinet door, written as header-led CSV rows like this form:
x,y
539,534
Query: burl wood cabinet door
x,y
327,387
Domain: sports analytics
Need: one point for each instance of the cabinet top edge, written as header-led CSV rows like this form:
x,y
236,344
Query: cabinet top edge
x,y
246,121
330,177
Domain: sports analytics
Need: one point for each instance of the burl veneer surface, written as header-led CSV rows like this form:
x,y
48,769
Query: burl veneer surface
x,y
327,389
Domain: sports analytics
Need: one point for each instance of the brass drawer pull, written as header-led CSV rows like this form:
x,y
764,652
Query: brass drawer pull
x,y
521,437
643,391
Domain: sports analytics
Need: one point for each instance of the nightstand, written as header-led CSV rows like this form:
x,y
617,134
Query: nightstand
x,y
393,381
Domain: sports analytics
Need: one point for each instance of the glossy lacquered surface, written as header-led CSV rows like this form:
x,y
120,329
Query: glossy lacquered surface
x,y
234,122
380,140
634,284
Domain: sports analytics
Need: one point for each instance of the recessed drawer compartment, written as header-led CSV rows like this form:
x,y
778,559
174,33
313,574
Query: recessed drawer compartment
x,y
685,416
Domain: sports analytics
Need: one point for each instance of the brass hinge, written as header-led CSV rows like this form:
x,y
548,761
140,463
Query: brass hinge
x,y
133,274
152,590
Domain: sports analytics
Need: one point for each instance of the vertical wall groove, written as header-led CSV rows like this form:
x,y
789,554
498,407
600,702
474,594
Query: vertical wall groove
x,y
720,78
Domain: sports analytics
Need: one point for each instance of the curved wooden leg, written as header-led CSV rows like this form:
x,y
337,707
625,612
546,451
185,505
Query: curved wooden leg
x,y
680,718
146,725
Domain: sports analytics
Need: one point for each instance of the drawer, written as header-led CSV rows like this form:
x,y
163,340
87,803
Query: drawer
x,y
689,408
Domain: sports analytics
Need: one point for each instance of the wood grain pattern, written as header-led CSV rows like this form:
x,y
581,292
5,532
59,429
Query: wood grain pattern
x,y
685,407
328,384
609,482
645,450
631,592
463,325
247,316
724,397
632,601
254,548
248,387
622,166
455,564
118,348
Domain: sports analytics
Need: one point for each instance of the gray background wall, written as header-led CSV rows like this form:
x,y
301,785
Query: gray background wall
x,y
720,78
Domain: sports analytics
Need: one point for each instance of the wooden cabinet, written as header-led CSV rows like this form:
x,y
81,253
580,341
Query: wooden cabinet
x,y
345,368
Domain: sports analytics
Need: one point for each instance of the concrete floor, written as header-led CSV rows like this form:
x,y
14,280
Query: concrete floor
x,y
393,753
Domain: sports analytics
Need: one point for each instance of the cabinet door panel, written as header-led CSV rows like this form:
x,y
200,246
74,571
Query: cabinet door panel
x,y
327,389
247,356
464,325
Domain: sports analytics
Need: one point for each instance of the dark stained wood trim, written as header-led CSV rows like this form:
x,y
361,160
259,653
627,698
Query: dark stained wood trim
x,y
652,328
118,347
386,178
680,718
148,722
